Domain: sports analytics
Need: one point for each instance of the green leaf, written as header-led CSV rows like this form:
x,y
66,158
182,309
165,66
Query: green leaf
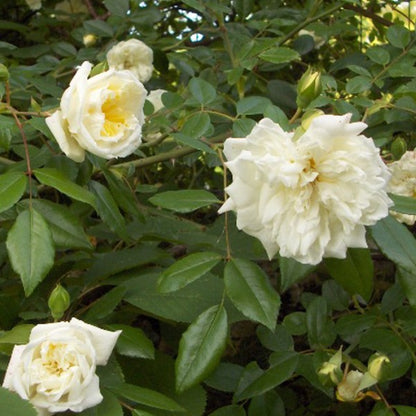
x,y
187,270
12,187
192,142
141,412
295,323
283,365
355,273
201,347
11,404
232,410
196,125
54,178
184,201
277,340
65,227
321,333
407,282
105,304
99,28
358,84
291,272
252,105
396,242
242,127
18,335
225,377
30,248
379,55
202,90
117,7
183,305
110,406
403,204
147,397
398,36
268,404
279,55
405,410
108,210
249,289
133,342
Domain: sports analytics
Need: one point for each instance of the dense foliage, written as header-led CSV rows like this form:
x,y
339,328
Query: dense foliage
x,y
210,325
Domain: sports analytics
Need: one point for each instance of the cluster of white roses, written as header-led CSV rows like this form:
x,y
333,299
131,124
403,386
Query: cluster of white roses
x,y
103,114
311,196
55,371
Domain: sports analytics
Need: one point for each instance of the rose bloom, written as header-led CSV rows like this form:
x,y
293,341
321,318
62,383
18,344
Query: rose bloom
x,y
132,55
55,371
403,182
102,114
307,198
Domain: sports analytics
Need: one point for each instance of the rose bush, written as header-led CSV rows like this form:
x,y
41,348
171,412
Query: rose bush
x,y
307,198
55,371
102,114
132,55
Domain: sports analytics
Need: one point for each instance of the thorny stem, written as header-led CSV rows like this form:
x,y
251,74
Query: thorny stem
x,y
24,138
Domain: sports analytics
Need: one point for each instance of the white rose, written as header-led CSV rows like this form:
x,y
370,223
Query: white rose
x,y
403,182
155,97
307,198
132,55
55,371
102,114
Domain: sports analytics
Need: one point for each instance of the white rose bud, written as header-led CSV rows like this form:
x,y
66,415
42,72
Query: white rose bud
x,y
132,55
89,40
311,197
55,371
102,114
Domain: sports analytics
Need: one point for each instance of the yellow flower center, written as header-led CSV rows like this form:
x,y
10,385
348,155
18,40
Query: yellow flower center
x,y
114,116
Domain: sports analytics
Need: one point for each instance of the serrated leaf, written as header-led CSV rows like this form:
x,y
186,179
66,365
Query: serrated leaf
x,y
355,273
320,328
110,406
183,305
99,28
105,304
405,410
12,187
249,289
108,210
147,397
54,178
133,342
202,90
30,248
201,347
184,201
396,242
252,105
187,270
192,142
279,55
268,404
398,36
117,7
242,127
282,368
65,227
196,125
11,404
358,84
232,410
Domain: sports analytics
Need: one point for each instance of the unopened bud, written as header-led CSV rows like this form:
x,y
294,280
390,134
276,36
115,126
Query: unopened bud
x,y
398,148
330,370
58,302
309,88
89,40
379,366
4,73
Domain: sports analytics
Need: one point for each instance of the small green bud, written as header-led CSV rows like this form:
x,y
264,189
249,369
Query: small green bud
x,y
379,366
89,40
58,302
309,88
398,147
330,371
4,73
